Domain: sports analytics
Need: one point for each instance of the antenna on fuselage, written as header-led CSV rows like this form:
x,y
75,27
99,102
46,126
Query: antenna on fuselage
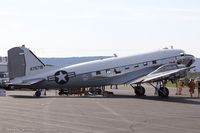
x,y
115,55
171,47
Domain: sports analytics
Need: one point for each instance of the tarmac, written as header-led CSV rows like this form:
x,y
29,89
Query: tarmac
x,y
20,112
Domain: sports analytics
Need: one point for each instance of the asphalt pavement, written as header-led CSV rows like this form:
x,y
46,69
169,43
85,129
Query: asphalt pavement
x,y
124,112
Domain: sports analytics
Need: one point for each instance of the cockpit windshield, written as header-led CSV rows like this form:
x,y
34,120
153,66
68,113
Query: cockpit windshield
x,y
182,53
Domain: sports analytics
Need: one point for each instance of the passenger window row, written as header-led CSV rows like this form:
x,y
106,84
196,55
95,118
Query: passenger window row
x,y
125,68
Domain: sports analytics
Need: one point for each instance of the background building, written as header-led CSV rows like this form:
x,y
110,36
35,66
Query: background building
x,y
3,68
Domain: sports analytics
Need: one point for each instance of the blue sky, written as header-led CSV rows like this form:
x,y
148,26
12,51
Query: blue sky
x,y
64,28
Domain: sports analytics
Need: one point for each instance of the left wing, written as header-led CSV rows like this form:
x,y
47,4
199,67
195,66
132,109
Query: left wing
x,y
163,72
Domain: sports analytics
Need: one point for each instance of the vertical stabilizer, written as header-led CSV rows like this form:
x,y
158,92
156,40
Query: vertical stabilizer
x,y
22,62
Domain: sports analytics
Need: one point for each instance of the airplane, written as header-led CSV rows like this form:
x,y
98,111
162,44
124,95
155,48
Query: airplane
x,y
27,71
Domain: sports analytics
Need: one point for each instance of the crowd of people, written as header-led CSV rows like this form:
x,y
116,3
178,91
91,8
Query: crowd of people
x,y
192,85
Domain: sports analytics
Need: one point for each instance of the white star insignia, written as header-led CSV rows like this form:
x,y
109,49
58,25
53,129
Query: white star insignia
x,y
61,77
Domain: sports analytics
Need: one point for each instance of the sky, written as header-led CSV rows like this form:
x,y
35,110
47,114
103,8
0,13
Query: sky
x,y
66,28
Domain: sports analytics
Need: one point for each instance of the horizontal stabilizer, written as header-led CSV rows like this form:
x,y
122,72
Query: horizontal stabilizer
x,y
28,82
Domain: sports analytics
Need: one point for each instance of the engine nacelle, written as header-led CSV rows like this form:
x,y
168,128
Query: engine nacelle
x,y
173,78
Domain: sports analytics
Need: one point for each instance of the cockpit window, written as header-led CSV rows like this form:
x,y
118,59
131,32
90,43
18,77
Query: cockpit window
x,y
182,54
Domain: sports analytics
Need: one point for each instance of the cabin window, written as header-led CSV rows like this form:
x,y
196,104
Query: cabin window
x,y
108,71
154,62
135,66
182,54
126,68
117,71
145,63
98,72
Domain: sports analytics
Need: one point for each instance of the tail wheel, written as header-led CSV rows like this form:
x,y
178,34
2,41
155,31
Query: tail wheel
x,y
139,91
163,92
38,93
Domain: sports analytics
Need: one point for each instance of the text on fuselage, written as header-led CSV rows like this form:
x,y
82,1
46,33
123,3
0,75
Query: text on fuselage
x,y
34,68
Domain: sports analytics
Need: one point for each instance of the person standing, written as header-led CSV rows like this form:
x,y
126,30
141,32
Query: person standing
x,y
198,85
180,86
191,85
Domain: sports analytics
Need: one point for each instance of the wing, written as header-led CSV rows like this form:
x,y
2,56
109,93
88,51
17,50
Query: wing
x,y
162,73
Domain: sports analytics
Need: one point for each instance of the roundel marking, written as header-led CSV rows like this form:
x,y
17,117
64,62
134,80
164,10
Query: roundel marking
x,y
61,77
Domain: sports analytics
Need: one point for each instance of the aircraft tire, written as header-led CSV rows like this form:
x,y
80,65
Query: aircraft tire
x,y
139,91
98,91
37,93
163,92
61,92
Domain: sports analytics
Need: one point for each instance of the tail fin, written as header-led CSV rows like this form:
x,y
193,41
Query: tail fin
x,y
22,62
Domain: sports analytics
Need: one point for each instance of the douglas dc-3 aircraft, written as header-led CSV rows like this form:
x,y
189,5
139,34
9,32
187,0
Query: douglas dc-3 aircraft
x,y
27,71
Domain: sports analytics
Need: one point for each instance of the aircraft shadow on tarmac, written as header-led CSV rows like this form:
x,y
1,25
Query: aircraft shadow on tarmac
x,y
172,99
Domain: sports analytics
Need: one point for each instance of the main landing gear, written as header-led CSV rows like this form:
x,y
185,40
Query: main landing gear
x,y
139,90
160,89
163,92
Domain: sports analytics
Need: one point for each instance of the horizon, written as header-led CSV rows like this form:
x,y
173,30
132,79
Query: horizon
x,y
112,55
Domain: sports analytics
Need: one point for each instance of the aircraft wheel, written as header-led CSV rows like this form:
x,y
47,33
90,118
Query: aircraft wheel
x,y
163,92
139,91
38,93
91,90
61,92
98,91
